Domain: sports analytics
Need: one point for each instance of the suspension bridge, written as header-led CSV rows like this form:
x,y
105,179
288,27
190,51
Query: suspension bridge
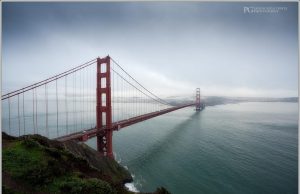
x,y
93,99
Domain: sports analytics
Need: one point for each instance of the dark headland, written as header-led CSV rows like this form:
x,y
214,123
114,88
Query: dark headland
x,y
36,165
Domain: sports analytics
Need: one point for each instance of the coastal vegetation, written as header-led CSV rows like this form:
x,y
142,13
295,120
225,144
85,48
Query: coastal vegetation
x,y
36,165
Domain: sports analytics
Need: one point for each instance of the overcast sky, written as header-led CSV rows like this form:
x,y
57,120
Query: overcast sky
x,y
170,47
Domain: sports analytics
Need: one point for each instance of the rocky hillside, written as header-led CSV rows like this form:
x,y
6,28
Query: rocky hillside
x,y
36,165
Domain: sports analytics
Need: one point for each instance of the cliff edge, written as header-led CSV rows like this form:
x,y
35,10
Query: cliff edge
x,y
36,165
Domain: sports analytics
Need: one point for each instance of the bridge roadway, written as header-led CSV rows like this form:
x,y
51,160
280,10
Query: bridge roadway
x,y
89,133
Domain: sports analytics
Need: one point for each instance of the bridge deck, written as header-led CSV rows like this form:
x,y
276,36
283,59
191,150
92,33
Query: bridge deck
x,y
85,135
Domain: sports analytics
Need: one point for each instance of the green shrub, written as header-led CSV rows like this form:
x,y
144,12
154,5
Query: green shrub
x,y
29,143
27,161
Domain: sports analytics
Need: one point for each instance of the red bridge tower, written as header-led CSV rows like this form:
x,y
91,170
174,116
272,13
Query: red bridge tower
x,y
103,108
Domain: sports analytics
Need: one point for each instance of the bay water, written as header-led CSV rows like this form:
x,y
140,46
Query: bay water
x,y
247,148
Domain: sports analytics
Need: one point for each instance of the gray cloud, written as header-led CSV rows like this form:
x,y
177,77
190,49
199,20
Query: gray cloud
x,y
170,47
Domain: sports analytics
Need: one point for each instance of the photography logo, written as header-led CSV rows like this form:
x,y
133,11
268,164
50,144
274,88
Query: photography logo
x,y
264,10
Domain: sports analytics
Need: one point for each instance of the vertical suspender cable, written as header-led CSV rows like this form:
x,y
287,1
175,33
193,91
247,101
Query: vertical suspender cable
x,y
117,98
74,90
46,99
23,115
36,118
126,111
122,99
84,97
9,121
80,95
132,101
93,95
33,115
125,100
94,86
113,93
75,113
66,103
19,115
56,108
90,104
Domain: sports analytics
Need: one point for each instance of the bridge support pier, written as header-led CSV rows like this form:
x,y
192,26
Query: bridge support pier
x,y
103,108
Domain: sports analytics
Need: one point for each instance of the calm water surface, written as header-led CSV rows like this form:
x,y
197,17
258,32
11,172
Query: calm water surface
x,y
234,148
